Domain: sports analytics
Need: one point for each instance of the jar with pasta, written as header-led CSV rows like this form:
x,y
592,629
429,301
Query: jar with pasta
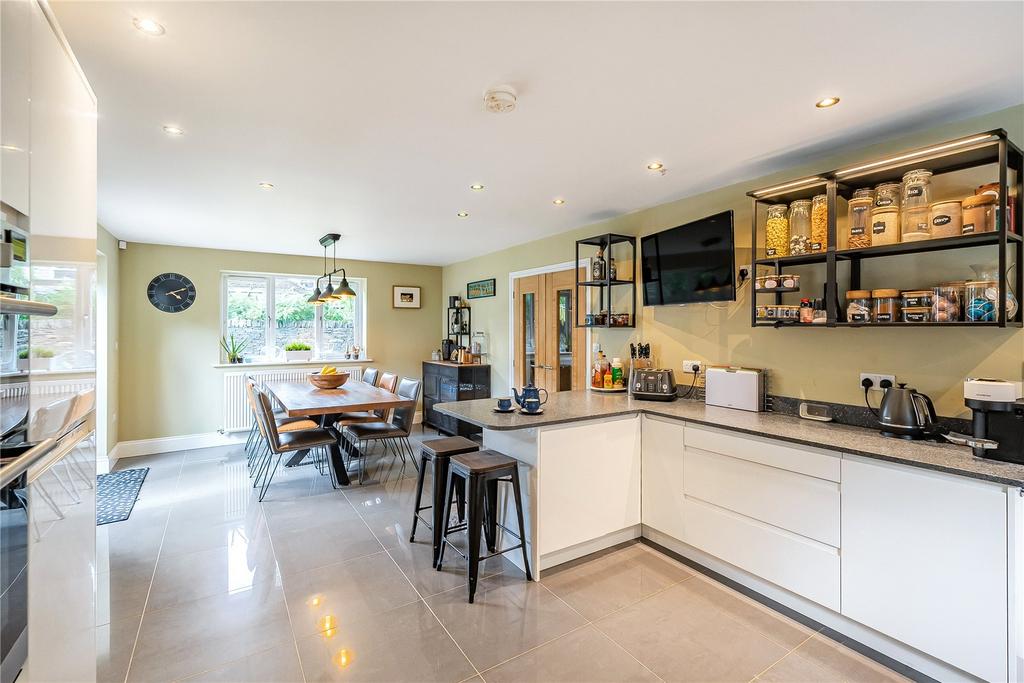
x,y
860,219
776,241
819,223
800,227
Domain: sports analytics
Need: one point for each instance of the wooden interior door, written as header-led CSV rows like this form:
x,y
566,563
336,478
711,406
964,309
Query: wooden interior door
x,y
548,347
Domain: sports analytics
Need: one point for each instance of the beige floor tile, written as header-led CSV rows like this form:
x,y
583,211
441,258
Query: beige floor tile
x,y
583,655
794,669
509,617
681,637
775,626
235,568
608,583
290,514
328,543
192,534
842,663
392,526
336,593
403,644
121,594
416,560
277,665
114,643
397,495
198,636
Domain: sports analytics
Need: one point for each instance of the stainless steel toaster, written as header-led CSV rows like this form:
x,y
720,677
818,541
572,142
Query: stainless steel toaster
x,y
653,385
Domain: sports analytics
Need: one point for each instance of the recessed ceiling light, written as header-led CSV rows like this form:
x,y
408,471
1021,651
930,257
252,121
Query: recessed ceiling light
x,y
655,166
174,130
149,27
558,202
266,186
476,187
462,214
827,102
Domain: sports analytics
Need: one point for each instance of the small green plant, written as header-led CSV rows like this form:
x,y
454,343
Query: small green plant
x,y
43,353
298,346
232,349
23,354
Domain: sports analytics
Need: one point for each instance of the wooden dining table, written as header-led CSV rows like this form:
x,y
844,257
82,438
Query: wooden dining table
x,y
302,399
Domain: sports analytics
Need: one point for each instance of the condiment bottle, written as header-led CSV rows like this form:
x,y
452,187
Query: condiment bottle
x,y
616,373
597,267
806,311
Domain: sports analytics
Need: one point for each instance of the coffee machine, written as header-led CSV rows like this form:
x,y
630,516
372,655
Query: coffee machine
x,y
997,415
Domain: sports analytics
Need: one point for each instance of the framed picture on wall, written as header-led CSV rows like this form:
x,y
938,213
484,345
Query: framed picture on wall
x,y
480,289
405,297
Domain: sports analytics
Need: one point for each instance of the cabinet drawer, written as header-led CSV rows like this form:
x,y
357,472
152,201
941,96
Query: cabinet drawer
x,y
798,564
810,461
804,505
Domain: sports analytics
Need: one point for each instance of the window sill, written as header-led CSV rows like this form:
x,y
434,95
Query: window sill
x,y
287,363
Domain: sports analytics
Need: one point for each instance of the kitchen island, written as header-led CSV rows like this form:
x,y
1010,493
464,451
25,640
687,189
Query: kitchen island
x,y
914,549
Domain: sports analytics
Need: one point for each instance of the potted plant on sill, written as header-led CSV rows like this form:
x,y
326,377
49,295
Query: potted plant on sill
x,y
42,358
232,349
24,363
298,351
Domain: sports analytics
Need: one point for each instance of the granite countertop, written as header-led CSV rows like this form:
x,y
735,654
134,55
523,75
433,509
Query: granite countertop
x,y
576,406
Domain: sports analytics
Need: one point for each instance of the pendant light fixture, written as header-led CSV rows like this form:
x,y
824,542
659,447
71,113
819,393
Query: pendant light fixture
x,y
330,292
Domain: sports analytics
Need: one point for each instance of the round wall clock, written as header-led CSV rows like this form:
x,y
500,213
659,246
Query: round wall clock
x,y
171,292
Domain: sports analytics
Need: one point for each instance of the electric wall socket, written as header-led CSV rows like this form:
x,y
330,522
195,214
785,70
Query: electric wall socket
x,y
876,379
688,366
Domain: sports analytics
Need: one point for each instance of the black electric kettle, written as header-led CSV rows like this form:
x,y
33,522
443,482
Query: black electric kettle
x,y
907,414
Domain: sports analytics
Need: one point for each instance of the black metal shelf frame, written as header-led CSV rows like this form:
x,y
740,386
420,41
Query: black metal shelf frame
x,y
992,147
605,242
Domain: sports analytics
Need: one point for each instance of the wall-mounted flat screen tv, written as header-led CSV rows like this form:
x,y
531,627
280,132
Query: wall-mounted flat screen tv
x,y
692,263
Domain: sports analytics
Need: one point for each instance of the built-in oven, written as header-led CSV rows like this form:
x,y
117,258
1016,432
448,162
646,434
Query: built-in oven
x,y
13,576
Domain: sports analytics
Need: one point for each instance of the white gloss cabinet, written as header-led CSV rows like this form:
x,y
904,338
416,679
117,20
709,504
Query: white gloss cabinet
x,y
662,475
15,95
925,561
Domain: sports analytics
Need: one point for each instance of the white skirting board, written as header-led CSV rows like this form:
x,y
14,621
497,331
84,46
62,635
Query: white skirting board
x,y
186,442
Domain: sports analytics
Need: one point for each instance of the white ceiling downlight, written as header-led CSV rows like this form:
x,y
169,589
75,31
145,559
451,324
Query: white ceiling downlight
x,y
558,202
174,131
148,26
462,214
265,186
476,187
826,102
500,99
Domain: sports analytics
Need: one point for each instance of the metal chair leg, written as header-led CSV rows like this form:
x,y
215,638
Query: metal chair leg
x,y
270,478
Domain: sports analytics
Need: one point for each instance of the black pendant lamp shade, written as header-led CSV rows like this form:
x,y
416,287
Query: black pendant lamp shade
x,y
330,292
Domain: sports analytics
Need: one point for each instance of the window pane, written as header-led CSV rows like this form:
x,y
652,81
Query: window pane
x,y
342,323
529,338
294,318
247,314
68,337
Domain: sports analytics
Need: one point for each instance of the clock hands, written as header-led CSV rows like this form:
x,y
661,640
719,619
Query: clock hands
x,y
175,293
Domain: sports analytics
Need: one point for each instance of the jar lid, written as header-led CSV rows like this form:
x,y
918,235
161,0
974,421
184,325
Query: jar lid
x,y
953,283
981,283
801,203
885,293
917,292
863,192
777,207
979,200
858,294
922,173
820,196
988,188
887,185
944,203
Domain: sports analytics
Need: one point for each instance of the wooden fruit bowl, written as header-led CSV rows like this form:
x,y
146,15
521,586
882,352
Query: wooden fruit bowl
x,y
328,381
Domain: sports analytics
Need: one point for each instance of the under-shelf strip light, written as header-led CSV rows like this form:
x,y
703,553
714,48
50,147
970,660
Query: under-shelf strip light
x,y
918,153
796,183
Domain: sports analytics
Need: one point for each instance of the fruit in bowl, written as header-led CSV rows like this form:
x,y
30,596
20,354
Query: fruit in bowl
x,y
328,378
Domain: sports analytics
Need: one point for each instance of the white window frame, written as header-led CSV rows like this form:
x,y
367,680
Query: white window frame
x,y
83,327
270,330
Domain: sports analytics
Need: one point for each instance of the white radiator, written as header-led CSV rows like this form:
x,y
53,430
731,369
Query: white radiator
x,y
47,388
237,416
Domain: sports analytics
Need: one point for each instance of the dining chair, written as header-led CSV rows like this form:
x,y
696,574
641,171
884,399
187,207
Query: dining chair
x,y
370,376
278,443
387,382
396,432
283,422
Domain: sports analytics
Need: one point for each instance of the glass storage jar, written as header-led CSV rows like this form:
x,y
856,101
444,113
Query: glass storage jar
x,y
885,225
979,214
914,225
886,305
800,227
915,298
946,303
1011,205
860,219
917,196
982,296
819,223
776,241
945,218
917,314
888,194
858,306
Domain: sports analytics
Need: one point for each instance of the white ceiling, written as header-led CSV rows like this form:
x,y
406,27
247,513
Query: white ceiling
x,y
368,117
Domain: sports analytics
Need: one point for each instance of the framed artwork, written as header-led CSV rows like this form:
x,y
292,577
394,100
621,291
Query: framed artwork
x,y
480,289
405,297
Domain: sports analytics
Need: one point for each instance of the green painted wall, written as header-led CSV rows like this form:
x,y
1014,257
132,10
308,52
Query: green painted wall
x,y
815,364
106,244
168,385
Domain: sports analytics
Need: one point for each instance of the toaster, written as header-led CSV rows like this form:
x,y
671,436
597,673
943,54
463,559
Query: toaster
x,y
741,388
653,385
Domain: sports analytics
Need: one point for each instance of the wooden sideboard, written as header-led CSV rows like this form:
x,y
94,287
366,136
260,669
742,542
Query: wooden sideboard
x,y
443,382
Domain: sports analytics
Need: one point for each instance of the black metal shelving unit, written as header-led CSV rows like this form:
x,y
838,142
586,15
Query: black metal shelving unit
x,y
460,325
605,243
982,149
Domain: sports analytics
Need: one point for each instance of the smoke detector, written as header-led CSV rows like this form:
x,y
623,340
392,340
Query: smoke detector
x,y
500,99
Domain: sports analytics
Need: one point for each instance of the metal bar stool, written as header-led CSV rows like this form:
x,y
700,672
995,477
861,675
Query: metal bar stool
x,y
481,472
436,454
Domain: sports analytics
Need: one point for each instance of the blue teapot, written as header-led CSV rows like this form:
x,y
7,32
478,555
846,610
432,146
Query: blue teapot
x,y
529,400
